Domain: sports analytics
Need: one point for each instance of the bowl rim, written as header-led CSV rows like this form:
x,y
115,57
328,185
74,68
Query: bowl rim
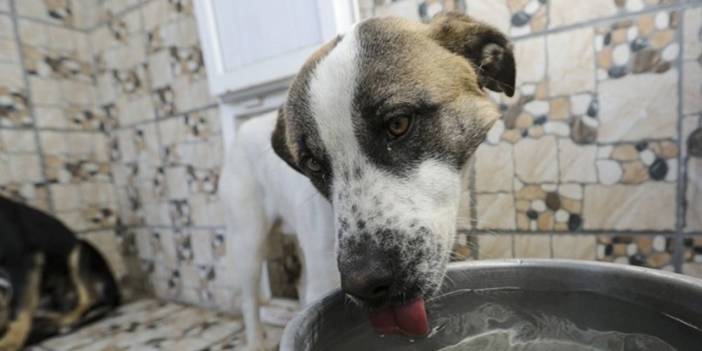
x,y
678,280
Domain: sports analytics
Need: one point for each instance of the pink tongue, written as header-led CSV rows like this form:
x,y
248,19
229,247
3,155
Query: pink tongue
x,y
410,319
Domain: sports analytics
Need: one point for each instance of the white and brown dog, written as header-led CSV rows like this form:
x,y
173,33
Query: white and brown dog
x,y
382,121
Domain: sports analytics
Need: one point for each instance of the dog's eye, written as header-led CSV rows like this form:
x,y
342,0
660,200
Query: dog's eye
x,y
312,165
398,126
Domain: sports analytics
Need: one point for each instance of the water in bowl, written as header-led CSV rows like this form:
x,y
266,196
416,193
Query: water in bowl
x,y
514,319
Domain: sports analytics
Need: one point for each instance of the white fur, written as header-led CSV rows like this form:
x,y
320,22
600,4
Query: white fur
x,y
258,188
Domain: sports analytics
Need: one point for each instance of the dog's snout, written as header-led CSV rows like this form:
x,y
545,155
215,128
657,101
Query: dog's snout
x,y
366,279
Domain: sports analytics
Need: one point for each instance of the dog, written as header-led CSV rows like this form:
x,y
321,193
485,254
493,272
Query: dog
x,y
381,121
50,281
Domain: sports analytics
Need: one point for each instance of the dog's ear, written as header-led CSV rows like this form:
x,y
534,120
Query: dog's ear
x,y
484,46
280,143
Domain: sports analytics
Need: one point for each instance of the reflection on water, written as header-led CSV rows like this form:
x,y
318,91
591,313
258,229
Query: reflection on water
x,y
546,333
515,319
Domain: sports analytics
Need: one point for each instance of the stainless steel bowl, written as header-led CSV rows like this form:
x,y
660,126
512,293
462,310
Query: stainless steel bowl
x,y
664,296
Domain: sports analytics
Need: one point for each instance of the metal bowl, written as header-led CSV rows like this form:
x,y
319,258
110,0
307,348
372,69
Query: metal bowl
x,y
662,297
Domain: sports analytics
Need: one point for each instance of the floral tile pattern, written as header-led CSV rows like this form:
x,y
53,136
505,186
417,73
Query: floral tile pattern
x,y
154,325
646,45
652,251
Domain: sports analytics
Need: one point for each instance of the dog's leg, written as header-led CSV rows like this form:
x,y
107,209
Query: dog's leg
x,y
250,253
86,297
248,228
320,267
18,330
318,256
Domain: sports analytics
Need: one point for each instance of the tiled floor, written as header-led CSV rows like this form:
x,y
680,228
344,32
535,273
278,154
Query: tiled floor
x,y
158,325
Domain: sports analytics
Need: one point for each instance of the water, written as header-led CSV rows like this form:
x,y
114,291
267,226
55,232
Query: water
x,y
518,320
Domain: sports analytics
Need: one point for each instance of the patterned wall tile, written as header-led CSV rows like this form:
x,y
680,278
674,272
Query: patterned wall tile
x,y
577,247
58,12
532,246
175,62
495,246
193,156
644,45
515,17
692,151
625,207
494,166
549,207
495,211
692,65
692,256
653,251
571,55
565,12
14,101
407,9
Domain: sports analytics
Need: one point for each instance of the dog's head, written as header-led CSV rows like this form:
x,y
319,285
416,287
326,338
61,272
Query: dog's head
x,y
382,120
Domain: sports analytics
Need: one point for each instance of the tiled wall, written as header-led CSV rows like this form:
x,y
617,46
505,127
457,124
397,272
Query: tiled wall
x,y
105,119
598,154
166,151
53,136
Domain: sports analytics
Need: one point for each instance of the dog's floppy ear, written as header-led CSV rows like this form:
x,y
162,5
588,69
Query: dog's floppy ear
x,y
484,46
280,143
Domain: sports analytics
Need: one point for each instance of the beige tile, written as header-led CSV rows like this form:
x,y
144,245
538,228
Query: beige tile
x,y
8,50
494,168
31,8
495,211
404,9
532,246
578,247
650,206
495,246
135,110
160,69
694,194
692,269
206,210
692,45
571,62
564,12
577,162
94,193
24,168
66,197
191,94
17,140
536,160
531,60
495,13
692,87
46,91
638,106
11,76
7,29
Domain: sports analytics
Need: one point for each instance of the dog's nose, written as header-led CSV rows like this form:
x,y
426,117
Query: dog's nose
x,y
366,280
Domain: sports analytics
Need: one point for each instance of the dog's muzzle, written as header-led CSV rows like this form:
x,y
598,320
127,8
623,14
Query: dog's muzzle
x,y
367,275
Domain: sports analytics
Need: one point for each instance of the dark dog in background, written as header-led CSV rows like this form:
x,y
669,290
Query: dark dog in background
x,y
50,280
